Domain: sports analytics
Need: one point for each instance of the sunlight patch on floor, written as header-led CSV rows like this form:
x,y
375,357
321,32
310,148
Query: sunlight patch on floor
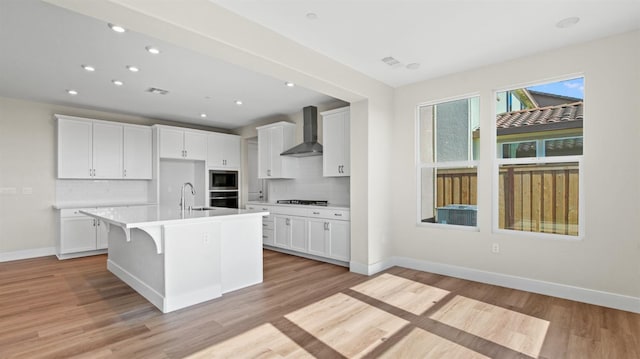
x,y
516,331
349,326
422,344
264,341
406,294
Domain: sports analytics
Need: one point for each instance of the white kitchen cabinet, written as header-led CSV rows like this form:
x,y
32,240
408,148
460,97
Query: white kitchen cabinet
x,y
137,145
274,139
336,129
340,240
223,150
268,227
179,143
318,235
89,149
80,234
107,150
290,232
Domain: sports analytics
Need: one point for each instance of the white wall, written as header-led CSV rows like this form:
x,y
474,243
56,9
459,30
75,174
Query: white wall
x,y
607,259
28,223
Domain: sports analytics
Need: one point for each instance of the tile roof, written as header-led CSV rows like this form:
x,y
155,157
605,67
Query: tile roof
x,y
568,115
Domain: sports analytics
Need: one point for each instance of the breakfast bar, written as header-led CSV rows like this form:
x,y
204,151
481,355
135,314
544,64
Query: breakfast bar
x,y
177,258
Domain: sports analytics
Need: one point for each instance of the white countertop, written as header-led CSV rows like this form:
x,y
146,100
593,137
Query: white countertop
x,y
330,206
144,216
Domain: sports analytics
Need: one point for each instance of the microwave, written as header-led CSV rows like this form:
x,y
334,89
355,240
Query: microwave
x,y
223,180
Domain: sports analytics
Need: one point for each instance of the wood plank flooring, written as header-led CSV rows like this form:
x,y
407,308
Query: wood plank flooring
x,y
76,308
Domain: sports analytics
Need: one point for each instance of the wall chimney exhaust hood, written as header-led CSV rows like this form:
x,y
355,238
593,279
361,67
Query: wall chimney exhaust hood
x,y
310,146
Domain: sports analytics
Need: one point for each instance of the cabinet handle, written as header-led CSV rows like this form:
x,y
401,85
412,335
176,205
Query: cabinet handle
x,y
264,224
94,223
125,173
288,221
186,153
326,226
316,212
338,214
264,209
268,172
264,237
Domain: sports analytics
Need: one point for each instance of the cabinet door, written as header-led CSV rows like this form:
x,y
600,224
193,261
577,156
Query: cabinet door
x,y
215,150
340,240
264,153
195,145
171,143
137,152
102,234
336,138
276,147
298,233
74,149
231,150
77,234
318,234
107,150
282,231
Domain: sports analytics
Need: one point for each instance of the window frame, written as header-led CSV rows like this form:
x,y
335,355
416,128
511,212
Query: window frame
x,y
419,165
498,161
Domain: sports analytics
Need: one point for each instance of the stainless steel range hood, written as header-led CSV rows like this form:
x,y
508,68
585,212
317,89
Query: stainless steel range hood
x,y
310,146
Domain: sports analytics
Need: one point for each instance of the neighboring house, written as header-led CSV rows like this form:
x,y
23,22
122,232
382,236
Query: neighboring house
x,y
541,132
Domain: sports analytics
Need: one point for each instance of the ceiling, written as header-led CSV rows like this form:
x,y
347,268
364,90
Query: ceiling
x,y
43,48
442,36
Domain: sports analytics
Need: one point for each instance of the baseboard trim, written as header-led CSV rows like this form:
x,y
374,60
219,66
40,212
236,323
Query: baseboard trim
x,y
585,295
27,254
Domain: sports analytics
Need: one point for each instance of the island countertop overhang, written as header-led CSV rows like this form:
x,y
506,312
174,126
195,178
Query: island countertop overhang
x,y
154,215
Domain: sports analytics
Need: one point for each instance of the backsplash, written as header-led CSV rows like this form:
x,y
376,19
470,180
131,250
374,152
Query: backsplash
x,y
310,184
101,192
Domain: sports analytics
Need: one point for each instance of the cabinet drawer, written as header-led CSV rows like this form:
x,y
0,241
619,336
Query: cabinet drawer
x,y
267,225
329,214
291,211
267,236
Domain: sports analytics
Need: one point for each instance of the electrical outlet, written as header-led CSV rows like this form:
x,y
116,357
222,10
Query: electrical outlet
x,y
495,248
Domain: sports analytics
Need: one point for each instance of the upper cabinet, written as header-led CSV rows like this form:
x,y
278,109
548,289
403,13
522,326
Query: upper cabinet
x,y
179,143
274,139
137,152
336,131
223,150
92,149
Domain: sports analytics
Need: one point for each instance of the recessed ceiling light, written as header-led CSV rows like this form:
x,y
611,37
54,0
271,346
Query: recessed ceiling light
x,y
89,68
238,102
203,115
568,22
117,28
152,50
311,16
72,92
133,68
289,84
117,82
413,66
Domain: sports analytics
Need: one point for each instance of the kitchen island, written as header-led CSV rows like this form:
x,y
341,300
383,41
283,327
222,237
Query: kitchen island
x,y
176,258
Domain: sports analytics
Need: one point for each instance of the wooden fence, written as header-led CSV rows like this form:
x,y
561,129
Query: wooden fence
x,y
534,198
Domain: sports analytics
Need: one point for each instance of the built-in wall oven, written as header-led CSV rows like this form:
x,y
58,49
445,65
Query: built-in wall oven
x,y
223,188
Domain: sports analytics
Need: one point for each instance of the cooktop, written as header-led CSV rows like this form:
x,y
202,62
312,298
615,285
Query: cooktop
x,y
306,202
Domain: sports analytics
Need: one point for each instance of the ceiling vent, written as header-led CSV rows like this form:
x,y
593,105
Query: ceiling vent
x,y
157,91
391,61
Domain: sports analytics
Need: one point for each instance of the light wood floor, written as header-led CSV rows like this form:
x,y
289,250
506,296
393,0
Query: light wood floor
x,y
60,309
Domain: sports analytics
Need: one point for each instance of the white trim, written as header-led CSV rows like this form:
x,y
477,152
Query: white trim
x,y
370,269
27,254
139,286
585,295
63,256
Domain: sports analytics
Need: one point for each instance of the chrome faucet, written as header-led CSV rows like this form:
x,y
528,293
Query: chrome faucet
x,y
193,192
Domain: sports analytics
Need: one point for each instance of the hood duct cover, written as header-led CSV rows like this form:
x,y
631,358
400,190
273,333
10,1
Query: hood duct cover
x,y
310,146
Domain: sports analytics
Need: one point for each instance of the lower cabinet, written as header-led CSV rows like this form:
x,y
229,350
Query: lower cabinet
x,y
290,232
308,231
79,233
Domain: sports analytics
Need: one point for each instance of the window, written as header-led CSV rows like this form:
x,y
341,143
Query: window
x,y
447,165
539,158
